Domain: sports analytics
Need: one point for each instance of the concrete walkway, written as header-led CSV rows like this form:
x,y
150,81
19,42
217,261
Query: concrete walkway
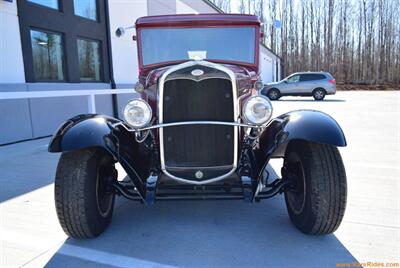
x,y
218,234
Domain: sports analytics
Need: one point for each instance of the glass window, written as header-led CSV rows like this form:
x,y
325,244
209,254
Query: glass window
x,y
47,3
293,78
89,60
319,76
311,77
171,44
86,8
47,55
306,77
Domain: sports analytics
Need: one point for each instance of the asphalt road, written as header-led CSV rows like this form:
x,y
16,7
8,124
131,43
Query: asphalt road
x,y
218,234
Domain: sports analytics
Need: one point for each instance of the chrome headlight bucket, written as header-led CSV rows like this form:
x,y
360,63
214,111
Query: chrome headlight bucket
x,y
137,113
257,110
258,85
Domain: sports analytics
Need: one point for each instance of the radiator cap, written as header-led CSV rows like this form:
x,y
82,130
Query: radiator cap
x,y
199,174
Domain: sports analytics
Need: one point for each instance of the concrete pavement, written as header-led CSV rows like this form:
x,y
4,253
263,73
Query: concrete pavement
x,y
224,233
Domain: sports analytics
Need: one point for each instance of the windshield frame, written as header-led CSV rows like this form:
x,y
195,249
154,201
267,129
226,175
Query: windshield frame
x,y
253,65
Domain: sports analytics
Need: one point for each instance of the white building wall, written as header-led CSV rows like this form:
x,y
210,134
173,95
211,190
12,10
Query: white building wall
x,y
124,13
124,50
182,8
197,6
268,65
11,61
267,70
193,7
161,7
25,114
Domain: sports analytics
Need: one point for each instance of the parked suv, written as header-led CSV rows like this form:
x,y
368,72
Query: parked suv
x,y
316,84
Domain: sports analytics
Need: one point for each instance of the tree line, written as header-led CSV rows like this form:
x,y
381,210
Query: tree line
x,y
358,41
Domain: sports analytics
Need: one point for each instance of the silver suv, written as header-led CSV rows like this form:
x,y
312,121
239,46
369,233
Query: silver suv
x,y
316,84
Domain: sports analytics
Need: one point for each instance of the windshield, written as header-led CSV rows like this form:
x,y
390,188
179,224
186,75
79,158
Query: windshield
x,y
172,44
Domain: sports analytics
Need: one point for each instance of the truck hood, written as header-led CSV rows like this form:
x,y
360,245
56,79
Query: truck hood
x,y
243,75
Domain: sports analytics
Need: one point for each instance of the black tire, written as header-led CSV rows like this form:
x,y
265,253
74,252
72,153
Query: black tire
x,y
317,202
83,197
319,94
273,94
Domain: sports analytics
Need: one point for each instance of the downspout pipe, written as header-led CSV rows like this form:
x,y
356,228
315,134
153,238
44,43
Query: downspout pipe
x,y
110,60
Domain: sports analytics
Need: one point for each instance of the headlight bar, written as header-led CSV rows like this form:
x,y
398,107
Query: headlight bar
x,y
164,125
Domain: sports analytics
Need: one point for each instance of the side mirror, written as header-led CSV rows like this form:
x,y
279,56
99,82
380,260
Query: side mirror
x,y
120,31
285,81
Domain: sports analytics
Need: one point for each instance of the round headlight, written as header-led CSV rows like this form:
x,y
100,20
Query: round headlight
x,y
258,85
139,87
257,110
137,113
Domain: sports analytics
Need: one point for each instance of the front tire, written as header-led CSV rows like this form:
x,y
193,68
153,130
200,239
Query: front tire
x,y
316,203
83,195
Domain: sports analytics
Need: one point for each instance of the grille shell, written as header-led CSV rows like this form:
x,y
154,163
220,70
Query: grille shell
x,y
183,71
198,145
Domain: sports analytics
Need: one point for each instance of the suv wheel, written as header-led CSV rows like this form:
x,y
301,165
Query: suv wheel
x,y
274,94
317,200
319,94
83,195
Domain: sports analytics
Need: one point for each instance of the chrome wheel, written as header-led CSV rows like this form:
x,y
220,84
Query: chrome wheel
x,y
319,94
273,94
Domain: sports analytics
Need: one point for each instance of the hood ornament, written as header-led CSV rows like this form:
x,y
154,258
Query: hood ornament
x,y
197,55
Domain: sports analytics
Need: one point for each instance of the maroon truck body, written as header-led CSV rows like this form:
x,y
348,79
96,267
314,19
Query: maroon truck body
x,y
246,74
200,20
201,130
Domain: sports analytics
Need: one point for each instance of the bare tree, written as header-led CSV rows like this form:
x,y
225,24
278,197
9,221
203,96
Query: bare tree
x,y
358,41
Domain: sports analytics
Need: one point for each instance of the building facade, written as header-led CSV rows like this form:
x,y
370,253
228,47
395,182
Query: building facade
x,y
50,45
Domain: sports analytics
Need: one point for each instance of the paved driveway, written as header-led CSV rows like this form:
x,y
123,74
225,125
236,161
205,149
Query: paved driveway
x,y
218,234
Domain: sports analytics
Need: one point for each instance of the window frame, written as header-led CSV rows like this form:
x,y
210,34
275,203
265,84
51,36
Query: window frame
x,y
205,28
293,75
72,27
100,55
86,18
62,58
59,2
322,77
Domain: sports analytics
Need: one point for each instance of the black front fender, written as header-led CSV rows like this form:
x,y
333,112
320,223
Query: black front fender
x,y
306,125
88,131
83,131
